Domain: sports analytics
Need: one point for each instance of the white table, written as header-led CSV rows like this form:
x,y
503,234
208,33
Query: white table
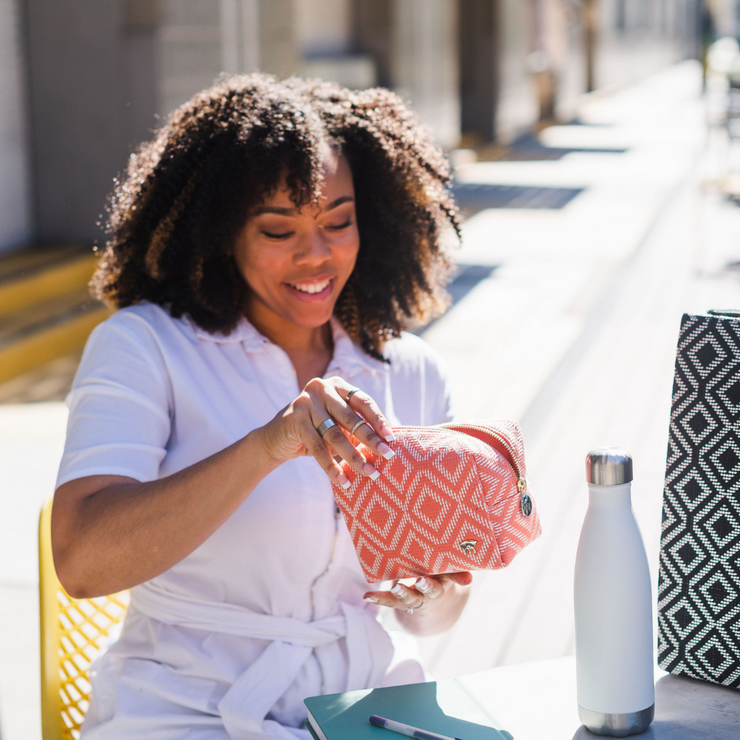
x,y
537,701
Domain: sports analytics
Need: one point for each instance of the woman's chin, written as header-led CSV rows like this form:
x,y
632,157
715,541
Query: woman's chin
x,y
310,316
313,321
311,313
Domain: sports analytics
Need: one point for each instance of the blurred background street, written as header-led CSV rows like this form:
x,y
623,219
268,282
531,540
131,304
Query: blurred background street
x,y
596,167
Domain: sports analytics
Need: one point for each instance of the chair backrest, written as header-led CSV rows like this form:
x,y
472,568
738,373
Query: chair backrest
x,y
72,632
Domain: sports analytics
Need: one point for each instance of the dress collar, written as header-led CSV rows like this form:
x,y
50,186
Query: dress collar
x,y
243,332
348,359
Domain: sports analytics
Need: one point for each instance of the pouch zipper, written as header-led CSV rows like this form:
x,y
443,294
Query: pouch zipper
x,y
507,451
495,440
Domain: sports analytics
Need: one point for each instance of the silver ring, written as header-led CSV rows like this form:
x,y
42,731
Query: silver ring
x,y
412,609
349,395
358,425
324,426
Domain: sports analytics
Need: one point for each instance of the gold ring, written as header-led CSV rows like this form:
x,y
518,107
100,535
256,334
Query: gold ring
x,y
357,426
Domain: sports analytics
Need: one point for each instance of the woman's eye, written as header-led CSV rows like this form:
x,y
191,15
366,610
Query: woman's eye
x,y
271,235
339,227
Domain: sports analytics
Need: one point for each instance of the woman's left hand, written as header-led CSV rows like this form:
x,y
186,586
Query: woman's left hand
x,y
437,601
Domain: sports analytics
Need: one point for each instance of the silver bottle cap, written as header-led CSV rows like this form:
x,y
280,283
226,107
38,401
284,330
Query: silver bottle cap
x,y
608,466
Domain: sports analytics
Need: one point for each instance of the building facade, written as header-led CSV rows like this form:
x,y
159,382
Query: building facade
x,y
83,81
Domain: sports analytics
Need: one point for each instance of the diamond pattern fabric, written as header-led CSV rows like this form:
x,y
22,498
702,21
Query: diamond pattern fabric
x,y
446,502
699,577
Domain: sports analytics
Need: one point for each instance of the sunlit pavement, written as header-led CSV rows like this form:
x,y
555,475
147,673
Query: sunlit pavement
x,y
573,333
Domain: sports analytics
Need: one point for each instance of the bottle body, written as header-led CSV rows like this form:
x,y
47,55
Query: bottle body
x,y
613,617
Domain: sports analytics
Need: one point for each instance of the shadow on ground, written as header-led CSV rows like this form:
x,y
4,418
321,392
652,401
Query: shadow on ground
x,y
528,148
466,277
472,197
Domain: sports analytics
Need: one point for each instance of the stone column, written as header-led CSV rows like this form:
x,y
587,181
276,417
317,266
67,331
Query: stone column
x,y
201,38
259,35
190,50
77,126
15,175
279,50
478,39
516,108
372,24
424,66
590,30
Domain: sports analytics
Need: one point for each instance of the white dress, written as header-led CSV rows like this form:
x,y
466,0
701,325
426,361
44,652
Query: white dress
x,y
269,609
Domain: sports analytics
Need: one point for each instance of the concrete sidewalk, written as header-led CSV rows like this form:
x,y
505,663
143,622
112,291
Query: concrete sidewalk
x,y
573,333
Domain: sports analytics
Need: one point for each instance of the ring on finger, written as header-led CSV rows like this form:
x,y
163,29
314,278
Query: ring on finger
x,y
412,609
324,426
357,426
349,395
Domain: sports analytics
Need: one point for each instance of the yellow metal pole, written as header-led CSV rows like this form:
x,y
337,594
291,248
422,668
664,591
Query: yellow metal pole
x,y
51,707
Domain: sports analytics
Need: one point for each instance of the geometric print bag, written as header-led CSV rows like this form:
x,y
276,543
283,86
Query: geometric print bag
x,y
699,575
454,497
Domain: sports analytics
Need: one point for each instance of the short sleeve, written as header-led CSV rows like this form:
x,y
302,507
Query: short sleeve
x,y
422,389
438,391
119,406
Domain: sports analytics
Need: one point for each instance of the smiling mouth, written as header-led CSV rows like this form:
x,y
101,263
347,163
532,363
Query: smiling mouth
x,y
311,288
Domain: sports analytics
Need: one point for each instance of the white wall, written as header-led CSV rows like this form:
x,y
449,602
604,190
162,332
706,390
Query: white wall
x,y
190,48
426,64
725,16
517,99
15,206
324,26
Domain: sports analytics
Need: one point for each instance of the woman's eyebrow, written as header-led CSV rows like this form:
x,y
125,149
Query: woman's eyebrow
x,y
292,211
338,202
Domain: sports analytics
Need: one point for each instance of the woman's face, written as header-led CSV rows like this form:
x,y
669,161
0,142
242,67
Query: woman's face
x,y
296,262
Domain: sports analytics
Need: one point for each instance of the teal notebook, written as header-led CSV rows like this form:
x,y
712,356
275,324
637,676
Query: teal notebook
x,y
443,707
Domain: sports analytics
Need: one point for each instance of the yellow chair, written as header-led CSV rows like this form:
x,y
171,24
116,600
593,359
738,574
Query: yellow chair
x,y
72,632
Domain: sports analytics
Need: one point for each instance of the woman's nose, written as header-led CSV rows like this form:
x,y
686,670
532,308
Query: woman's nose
x,y
314,246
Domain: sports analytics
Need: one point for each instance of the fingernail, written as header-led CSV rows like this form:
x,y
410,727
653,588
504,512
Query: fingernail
x,y
386,451
422,584
371,471
387,433
343,481
372,599
399,591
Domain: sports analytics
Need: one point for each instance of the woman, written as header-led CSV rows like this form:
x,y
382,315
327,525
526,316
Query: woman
x,y
266,250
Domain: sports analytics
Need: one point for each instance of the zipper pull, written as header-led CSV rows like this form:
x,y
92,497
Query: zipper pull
x,y
525,504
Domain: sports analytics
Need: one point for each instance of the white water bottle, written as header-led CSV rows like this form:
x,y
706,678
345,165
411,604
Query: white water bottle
x,y
613,605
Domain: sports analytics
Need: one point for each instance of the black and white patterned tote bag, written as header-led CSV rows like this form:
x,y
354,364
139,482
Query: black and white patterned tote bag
x,y
699,579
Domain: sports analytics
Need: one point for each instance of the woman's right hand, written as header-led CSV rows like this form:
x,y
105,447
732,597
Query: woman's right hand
x,y
294,431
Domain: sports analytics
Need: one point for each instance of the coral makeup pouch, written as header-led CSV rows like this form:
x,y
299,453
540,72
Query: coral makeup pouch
x,y
453,498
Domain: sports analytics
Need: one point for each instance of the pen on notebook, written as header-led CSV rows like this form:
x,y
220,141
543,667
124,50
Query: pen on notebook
x,y
408,730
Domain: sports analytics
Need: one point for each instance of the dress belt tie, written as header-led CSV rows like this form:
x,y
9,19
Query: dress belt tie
x,y
245,705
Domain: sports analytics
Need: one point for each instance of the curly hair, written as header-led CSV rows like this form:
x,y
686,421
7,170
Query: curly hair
x,y
173,217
